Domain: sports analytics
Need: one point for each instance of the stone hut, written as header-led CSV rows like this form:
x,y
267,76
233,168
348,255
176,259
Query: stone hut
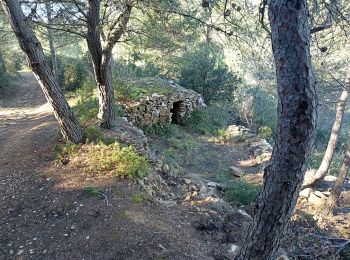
x,y
158,101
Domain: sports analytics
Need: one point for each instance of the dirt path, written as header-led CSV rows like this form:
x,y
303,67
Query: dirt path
x,y
46,213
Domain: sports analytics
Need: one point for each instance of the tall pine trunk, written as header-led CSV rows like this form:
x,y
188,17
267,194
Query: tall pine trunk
x,y
328,156
295,129
51,36
69,125
102,61
338,185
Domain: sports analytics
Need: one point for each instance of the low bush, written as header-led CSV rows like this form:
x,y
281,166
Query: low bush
x,y
93,134
118,160
94,191
65,150
74,71
203,69
86,109
241,192
265,132
158,130
208,121
101,158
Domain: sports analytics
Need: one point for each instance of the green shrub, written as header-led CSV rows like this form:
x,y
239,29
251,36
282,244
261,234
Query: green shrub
x,y
116,159
126,70
158,130
74,71
9,66
137,198
255,107
203,69
207,121
93,134
265,132
86,109
241,192
65,150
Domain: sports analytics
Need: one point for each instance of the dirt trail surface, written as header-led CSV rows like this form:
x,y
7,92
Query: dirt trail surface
x,y
46,212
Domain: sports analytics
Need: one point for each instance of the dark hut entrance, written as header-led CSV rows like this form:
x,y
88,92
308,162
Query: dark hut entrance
x,y
176,111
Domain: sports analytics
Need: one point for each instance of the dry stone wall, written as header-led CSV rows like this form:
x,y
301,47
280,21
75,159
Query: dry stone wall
x,y
175,106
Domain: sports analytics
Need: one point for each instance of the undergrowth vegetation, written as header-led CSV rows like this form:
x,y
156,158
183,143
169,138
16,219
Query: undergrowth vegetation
x,y
316,160
117,160
135,89
102,158
241,192
99,155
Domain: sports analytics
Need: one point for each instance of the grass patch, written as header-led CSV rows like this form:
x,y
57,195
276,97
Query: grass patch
x,y
101,158
94,191
241,192
137,198
120,215
136,89
116,159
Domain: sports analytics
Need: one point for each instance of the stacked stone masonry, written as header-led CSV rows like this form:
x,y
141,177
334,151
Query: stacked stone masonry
x,y
175,106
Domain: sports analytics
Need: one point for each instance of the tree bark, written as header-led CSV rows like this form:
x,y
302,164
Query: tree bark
x,y
69,125
295,129
102,58
102,67
328,156
51,36
335,193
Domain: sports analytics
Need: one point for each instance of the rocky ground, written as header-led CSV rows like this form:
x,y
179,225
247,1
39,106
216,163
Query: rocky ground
x,y
48,212
51,210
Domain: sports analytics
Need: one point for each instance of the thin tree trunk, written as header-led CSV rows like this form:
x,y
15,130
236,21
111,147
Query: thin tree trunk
x,y
51,37
102,67
295,129
69,125
335,193
328,156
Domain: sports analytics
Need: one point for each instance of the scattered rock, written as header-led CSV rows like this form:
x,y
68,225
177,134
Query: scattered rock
x,y
187,181
161,247
236,171
167,203
317,198
215,185
305,193
166,168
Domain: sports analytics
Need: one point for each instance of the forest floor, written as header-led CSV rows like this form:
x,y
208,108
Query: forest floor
x,y
47,211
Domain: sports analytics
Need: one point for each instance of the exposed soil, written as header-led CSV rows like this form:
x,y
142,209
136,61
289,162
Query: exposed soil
x,y
46,212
